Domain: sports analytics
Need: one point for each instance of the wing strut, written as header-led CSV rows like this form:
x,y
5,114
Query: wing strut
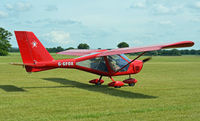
x,y
130,62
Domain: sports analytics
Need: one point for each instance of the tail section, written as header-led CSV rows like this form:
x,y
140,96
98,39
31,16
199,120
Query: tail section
x,y
32,51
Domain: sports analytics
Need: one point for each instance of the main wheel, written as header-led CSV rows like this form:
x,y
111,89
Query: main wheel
x,y
117,86
131,84
98,83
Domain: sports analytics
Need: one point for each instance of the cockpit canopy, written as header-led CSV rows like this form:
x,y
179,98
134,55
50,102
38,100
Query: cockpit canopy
x,y
113,62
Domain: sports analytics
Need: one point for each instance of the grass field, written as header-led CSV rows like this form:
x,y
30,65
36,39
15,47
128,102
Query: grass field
x,y
168,88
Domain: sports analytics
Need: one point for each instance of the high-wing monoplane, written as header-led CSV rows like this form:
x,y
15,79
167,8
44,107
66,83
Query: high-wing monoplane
x,y
102,62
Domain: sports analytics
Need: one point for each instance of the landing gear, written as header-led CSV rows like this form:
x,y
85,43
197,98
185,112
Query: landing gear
x,y
116,84
130,81
97,81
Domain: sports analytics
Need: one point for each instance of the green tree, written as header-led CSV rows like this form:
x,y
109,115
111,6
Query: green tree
x,y
193,52
151,53
59,49
175,52
69,48
55,49
83,46
4,41
198,52
122,45
14,49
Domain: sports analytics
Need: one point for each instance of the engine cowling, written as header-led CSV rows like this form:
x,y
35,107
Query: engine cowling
x,y
137,66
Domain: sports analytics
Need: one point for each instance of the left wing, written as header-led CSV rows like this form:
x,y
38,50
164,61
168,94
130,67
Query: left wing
x,y
145,49
79,52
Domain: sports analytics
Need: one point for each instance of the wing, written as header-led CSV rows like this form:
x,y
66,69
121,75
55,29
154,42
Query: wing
x,y
82,52
79,52
145,49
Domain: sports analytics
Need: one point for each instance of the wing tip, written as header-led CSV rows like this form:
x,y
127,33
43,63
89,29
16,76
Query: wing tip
x,y
179,44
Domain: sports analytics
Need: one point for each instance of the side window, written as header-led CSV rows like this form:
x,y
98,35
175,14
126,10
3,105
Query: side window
x,y
95,63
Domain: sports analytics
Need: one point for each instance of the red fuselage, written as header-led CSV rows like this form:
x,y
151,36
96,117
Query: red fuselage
x,y
105,66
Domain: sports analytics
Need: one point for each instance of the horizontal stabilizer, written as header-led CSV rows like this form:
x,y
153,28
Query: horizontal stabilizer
x,y
17,64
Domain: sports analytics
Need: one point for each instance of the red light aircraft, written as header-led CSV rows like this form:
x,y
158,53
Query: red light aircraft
x,y
101,62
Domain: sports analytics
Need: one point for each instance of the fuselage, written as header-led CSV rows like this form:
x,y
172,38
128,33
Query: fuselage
x,y
112,65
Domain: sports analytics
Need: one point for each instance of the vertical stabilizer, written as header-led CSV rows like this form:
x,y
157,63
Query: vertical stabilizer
x,y
31,49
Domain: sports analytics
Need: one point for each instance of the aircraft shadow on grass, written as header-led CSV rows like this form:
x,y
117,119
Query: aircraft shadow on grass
x,y
102,88
11,88
69,83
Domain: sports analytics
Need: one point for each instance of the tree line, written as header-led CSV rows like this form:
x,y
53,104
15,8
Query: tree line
x,y
173,52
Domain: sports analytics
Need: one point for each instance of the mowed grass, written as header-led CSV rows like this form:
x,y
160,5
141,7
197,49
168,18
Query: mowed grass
x,y
168,88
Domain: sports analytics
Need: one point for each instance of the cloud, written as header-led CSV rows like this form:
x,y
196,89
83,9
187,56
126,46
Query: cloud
x,y
166,22
196,20
51,8
54,22
59,37
158,7
193,8
3,14
138,4
197,4
164,9
9,6
19,6
137,42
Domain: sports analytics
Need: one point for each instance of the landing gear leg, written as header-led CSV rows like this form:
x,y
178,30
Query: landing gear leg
x,y
129,76
112,79
130,84
99,81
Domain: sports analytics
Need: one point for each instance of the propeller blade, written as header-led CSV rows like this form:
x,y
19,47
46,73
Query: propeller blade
x,y
146,59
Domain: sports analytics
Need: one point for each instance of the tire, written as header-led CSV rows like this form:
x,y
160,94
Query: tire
x,y
98,83
131,84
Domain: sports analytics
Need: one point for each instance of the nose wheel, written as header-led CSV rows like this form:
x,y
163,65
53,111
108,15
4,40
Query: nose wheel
x,y
131,84
130,81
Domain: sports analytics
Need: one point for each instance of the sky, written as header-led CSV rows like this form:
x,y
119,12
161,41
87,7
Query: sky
x,y
103,23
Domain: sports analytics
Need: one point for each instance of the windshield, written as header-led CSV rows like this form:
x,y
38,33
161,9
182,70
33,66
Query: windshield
x,y
125,57
116,62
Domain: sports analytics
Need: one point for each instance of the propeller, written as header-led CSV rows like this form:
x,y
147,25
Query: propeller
x,y
146,59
